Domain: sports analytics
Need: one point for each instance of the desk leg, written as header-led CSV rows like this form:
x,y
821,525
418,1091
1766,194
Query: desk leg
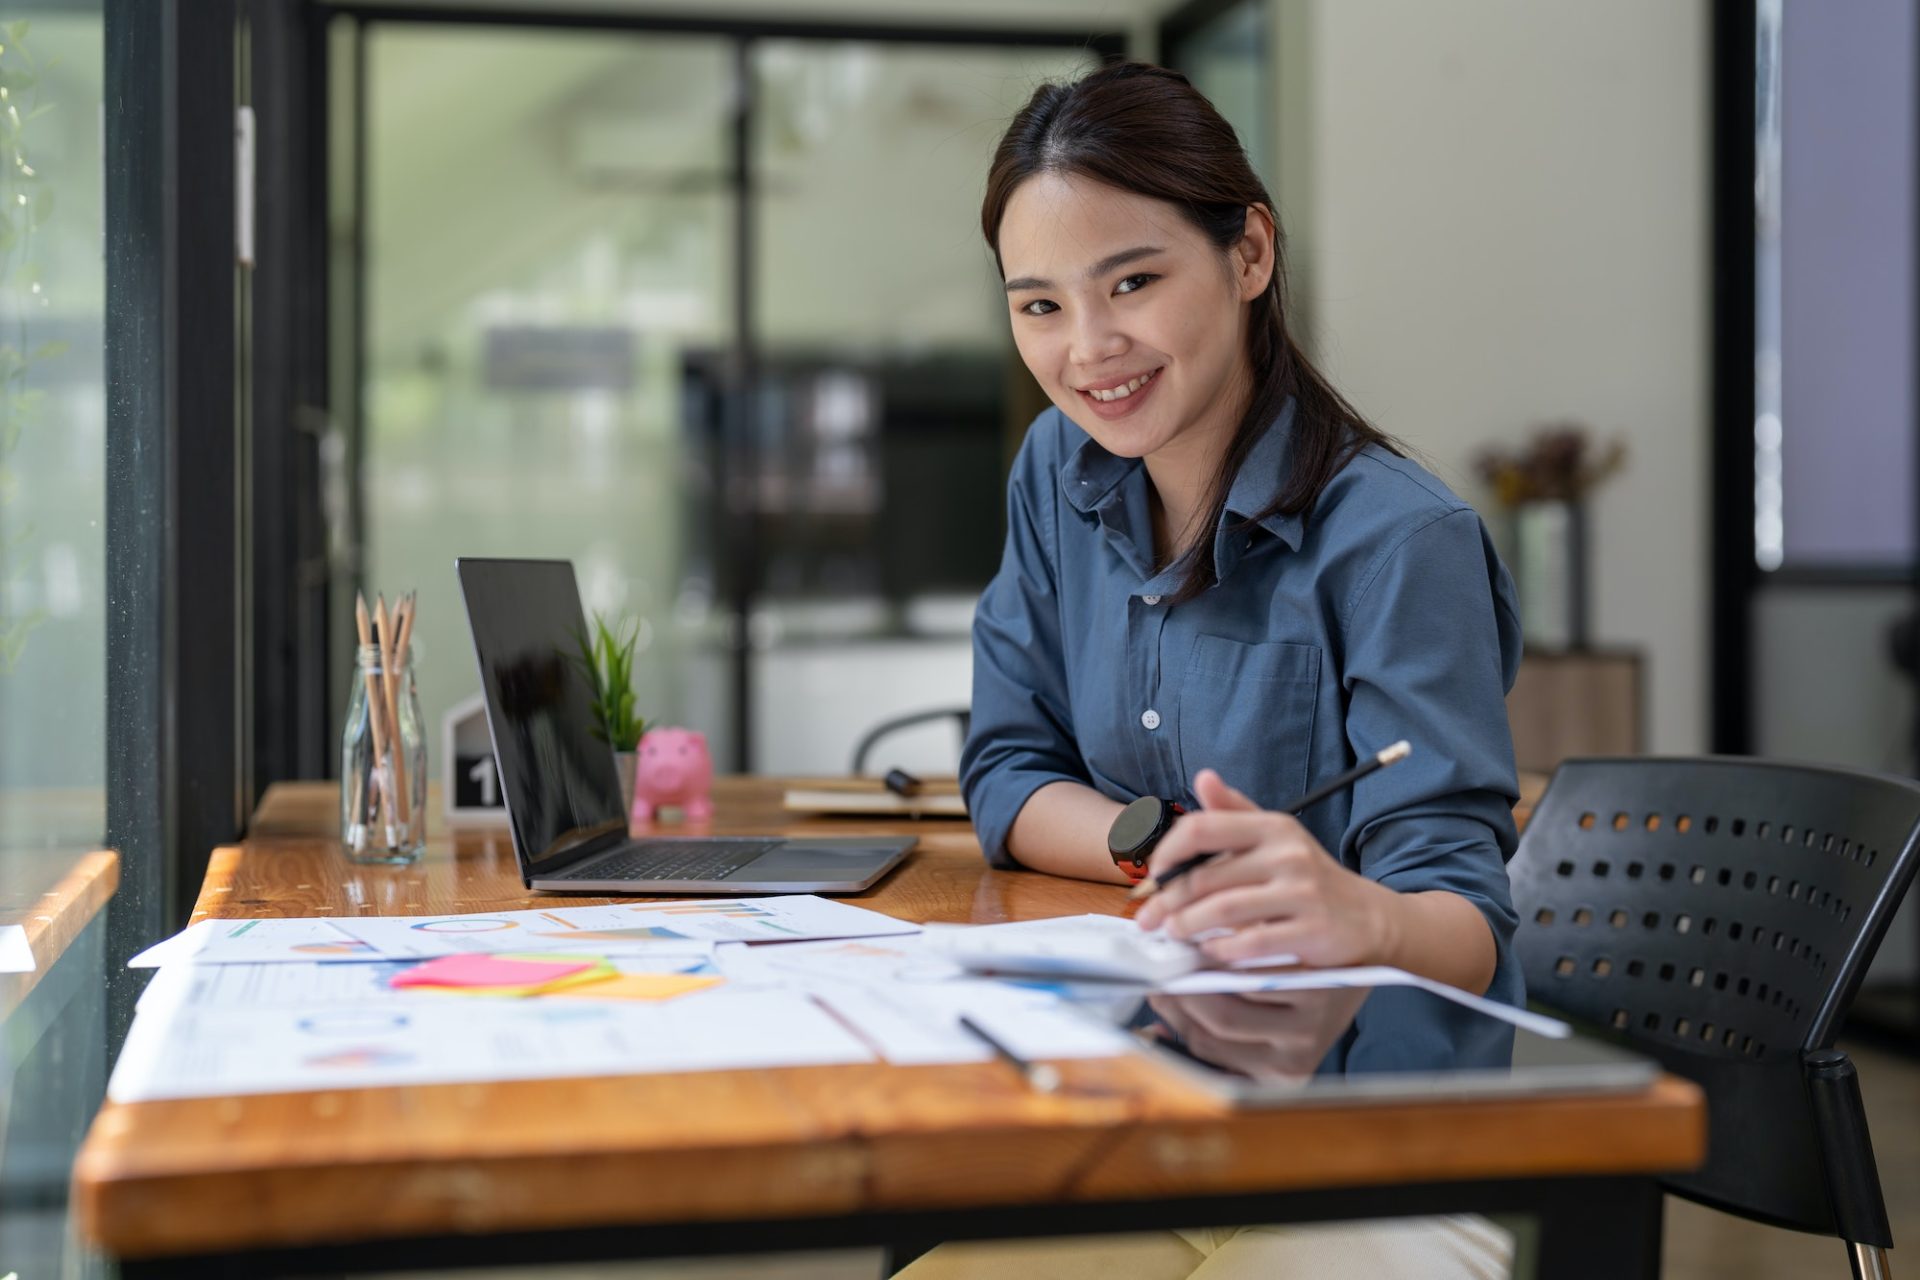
x,y
1612,1232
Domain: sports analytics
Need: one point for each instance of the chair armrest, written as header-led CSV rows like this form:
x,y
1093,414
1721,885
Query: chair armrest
x,y
1846,1149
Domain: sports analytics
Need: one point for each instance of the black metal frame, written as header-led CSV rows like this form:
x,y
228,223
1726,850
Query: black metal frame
x,y
1735,580
172,652
1605,1228
1733,576
289,710
739,537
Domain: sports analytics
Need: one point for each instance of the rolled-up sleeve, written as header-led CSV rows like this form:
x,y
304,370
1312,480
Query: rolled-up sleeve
x,y
1021,737
1432,645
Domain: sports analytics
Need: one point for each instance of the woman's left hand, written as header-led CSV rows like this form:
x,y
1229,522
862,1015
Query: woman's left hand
x,y
1273,885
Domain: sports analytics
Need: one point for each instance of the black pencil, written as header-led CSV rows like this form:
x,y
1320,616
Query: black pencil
x,y
1039,1076
1379,760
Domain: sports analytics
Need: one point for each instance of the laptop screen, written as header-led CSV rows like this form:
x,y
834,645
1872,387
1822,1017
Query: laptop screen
x,y
559,780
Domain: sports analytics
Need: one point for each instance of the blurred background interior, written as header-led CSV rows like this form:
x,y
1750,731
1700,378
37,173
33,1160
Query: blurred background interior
x,y
696,297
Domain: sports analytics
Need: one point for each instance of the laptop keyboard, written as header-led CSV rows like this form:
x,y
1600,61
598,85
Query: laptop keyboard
x,y
707,859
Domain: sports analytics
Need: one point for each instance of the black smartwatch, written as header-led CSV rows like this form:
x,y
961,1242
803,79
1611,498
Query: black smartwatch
x,y
1137,830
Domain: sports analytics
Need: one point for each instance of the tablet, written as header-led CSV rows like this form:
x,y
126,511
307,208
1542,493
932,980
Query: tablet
x,y
1356,1043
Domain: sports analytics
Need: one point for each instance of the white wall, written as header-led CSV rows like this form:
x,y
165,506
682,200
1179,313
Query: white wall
x,y
1499,216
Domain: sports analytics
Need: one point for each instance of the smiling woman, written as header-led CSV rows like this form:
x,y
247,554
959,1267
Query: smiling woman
x,y
1215,568
1190,277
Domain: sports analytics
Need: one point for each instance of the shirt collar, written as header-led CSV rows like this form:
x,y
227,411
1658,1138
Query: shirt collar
x,y
1091,474
1093,484
1260,479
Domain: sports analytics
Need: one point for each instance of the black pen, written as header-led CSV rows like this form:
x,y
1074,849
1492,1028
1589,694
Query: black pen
x,y
1041,1077
1379,760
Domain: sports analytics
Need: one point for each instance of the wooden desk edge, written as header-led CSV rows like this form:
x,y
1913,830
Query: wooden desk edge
x,y
59,917
149,1214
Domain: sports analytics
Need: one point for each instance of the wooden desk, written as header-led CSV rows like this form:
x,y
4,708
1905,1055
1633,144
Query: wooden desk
x,y
462,1175
53,907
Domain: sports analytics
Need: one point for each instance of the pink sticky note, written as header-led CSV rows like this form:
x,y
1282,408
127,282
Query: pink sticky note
x,y
487,971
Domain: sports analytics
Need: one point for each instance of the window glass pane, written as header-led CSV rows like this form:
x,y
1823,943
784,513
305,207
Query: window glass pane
x,y
1228,59
52,434
52,617
1836,466
549,278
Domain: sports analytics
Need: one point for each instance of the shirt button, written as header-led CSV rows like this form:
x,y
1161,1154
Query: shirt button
x,y
1150,718
1149,599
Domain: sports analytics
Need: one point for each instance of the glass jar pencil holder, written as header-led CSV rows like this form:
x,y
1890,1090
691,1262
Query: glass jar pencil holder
x,y
383,763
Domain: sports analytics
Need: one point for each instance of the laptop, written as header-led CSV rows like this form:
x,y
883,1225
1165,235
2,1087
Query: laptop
x,y
560,784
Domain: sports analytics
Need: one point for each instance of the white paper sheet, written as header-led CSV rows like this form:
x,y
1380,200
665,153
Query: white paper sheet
x,y
1214,981
1088,946
905,1000
911,1024
866,961
178,1049
254,942
266,985
627,929
15,955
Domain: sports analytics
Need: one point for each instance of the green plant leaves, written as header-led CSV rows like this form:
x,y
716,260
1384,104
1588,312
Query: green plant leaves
x,y
605,657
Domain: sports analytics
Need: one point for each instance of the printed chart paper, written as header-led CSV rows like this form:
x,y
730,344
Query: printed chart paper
x,y
179,1050
905,1000
912,1025
269,985
243,986
623,930
906,959
1088,946
254,941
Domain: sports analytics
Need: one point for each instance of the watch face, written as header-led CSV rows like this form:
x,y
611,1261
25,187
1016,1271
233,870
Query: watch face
x,y
1133,832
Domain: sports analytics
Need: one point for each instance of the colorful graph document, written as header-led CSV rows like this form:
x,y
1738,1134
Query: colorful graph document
x,y
906,1001
254,941
244,986
623,930
179,1048
266,985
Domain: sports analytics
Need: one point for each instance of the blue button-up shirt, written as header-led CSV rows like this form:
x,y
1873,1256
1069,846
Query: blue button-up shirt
x,y
1381,613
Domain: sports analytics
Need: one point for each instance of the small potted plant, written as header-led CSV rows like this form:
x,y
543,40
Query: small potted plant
x,y
606,658
1543,488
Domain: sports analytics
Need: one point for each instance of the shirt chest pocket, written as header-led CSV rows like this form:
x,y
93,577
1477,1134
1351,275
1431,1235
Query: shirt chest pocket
x,y
1247,711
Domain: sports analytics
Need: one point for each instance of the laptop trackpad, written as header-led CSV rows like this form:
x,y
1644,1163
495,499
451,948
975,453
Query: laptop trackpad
x,y
801,862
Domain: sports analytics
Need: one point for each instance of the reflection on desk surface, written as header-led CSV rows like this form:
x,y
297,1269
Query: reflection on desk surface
x,y
1300,1046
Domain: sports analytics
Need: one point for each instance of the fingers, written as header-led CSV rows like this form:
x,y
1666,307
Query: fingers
x,y
1222,831
1235,908
1258,942
1214,877
1213,793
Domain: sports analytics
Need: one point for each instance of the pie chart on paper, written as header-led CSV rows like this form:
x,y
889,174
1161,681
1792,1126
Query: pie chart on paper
x,y
464,926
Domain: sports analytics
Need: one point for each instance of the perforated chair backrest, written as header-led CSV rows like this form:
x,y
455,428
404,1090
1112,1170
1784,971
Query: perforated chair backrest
x,y
1718,914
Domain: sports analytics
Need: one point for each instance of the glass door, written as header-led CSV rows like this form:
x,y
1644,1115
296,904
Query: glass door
x,y
546,265
708,315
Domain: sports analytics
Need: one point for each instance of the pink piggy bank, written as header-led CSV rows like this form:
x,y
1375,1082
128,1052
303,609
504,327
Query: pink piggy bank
x,y
673,770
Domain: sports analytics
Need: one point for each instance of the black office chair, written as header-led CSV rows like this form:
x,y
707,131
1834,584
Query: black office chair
x,y
962,715
1718,913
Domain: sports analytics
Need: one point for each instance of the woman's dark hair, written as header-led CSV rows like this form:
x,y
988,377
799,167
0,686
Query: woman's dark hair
x,y
1147,130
